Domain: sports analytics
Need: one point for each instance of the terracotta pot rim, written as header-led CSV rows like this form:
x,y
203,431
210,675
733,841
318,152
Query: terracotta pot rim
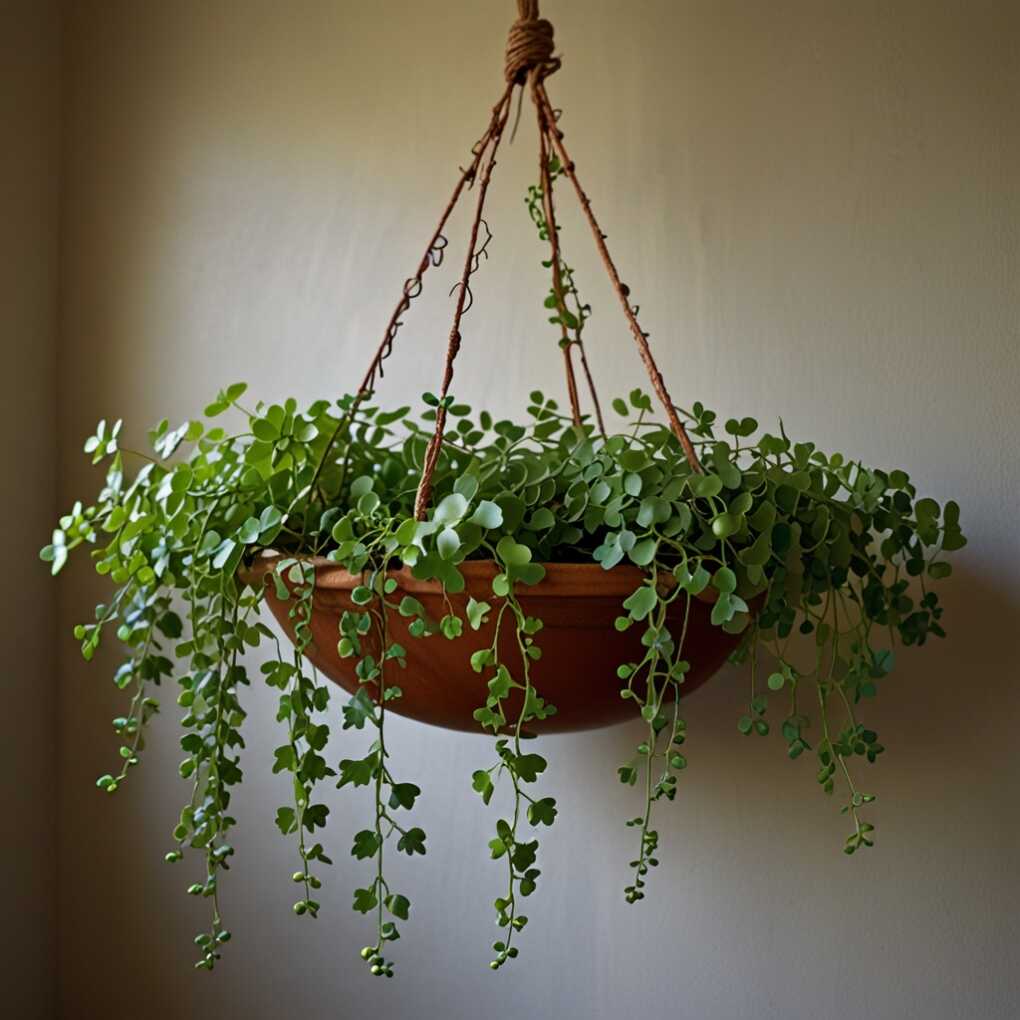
x,y
561,579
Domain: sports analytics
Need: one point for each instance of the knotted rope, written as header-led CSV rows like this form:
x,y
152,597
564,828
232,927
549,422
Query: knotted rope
x,y
529,45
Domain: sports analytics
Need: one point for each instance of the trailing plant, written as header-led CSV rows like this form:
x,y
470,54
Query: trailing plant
x,y
816,565
787,540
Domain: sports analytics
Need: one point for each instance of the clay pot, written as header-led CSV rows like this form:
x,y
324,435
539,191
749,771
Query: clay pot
x,y
581,648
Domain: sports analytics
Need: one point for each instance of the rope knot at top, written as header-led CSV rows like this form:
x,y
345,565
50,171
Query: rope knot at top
x,y
529,44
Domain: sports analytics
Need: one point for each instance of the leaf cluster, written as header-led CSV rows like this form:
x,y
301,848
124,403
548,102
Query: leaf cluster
x,y
794,547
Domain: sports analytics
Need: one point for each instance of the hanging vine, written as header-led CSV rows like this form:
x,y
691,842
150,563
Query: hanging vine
x,y
813,565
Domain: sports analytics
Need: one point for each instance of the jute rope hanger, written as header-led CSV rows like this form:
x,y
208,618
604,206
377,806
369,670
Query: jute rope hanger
x,y
529,61
529,44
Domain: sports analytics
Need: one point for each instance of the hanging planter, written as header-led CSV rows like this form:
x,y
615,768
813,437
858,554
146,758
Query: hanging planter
x,y
516,578
578,604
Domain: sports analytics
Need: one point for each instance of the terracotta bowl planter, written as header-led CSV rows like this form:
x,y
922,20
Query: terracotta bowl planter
x,y
581,648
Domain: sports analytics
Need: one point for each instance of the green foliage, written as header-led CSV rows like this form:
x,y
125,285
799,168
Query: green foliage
x,y
821,563
567,310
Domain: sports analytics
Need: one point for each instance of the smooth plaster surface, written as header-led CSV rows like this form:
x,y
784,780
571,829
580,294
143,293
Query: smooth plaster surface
x,y
817,206
29,263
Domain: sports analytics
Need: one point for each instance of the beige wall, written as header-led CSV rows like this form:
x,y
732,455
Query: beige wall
x,y
29,207
816,205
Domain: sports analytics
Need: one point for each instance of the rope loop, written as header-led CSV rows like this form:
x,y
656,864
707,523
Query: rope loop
x,y
529,45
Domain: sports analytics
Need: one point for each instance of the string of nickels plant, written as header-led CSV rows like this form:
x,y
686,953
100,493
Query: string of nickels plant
x,y
214,714
784,675
372,770
216,855
548,230
779,523
543,213
853,739
301,697
143,668
623,291
649,604
563,285
520,767
831,752
191,828
520,856
754,721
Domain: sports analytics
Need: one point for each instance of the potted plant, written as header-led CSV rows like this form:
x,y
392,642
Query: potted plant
x,y
516,576
535,523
